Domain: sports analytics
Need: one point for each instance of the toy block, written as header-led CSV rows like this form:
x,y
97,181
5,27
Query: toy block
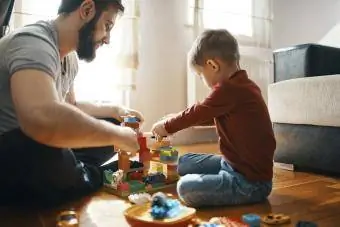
x,y
123,161
131,121
123,187
158,169
144,152
136,186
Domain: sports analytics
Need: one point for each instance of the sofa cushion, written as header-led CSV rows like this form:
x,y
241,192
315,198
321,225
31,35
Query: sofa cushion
x,y
312,101
306,60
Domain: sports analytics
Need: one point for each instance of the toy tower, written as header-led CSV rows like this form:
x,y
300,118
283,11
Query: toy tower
x,y
127,180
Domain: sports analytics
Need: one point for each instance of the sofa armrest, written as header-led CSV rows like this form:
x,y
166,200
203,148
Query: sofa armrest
x,y
306,60
306,101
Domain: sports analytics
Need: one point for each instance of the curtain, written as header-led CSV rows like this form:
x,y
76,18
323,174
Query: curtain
x,y
250,21
110,77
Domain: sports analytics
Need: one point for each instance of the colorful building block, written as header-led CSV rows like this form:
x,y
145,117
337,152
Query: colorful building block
x,y
151,175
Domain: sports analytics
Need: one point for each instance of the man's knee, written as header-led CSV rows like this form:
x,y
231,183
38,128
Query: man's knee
x,y
184,165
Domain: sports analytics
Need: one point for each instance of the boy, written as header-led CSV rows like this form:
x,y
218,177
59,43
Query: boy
x,y
243,174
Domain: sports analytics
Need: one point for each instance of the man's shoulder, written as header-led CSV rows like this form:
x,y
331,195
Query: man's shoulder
x,y
41,30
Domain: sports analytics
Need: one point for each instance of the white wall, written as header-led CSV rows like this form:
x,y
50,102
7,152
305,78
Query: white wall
x,y
161,80
303,21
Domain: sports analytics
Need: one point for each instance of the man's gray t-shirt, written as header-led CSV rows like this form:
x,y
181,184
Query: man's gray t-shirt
x,y
32,47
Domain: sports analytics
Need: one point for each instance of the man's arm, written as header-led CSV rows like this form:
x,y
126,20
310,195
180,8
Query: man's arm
x,y
44,118
32,62
217,103
98,110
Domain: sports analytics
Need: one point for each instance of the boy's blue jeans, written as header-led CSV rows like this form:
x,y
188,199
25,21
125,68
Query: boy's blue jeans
x,y
207,180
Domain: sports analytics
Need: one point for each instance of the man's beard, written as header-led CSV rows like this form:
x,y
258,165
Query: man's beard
x,y
86,45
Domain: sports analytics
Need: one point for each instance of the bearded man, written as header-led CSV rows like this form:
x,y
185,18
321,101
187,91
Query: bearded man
x,y
52,147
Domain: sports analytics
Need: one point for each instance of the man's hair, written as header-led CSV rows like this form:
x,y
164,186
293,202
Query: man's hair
x,y
68,6
214,43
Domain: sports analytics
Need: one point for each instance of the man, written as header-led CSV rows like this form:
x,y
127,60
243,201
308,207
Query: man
x,y
39,118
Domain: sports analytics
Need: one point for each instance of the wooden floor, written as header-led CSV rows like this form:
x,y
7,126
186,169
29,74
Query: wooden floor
x,y
302,196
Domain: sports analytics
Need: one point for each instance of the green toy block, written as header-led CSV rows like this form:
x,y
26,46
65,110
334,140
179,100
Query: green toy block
x,y
136,186
108,176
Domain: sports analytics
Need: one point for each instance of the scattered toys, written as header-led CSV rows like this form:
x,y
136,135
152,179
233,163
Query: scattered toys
x,y
139,198
276,219
160,211
157,169
163,207
252,220
222,222
67,219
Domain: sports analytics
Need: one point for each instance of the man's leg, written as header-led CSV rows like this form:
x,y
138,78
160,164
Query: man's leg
x,y
193,163
97,155
33,173
224,188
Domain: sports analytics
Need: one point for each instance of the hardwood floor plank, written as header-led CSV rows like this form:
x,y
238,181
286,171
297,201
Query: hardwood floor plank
x,y
302,196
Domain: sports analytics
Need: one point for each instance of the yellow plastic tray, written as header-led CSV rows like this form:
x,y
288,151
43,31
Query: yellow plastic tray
x,y
139,215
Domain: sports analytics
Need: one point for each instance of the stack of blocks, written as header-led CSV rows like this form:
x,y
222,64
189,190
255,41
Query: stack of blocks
x,y
158,171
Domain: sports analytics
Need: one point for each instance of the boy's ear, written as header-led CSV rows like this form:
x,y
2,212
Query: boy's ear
x,y
212,63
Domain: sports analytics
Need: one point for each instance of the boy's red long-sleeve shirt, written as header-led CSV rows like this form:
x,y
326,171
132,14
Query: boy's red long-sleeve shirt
x,y
243,124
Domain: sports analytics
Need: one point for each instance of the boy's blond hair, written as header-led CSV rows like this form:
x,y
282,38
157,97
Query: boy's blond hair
x,y
214,43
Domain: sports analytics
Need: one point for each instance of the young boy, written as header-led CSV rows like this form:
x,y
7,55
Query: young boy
x,y
243,174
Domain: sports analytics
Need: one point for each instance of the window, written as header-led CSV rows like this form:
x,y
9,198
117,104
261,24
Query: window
x,y
101,80
236,16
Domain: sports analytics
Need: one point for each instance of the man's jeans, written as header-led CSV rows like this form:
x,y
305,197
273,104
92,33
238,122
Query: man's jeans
x,y
207,180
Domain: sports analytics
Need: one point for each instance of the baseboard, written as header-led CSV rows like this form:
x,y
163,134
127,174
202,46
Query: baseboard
x,y
195,135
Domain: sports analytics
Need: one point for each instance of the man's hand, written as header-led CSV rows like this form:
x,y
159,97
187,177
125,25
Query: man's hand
x,y
123,112
127,140
158,129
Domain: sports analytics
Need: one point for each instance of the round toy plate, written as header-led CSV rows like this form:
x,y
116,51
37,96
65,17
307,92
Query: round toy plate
x,y
139,215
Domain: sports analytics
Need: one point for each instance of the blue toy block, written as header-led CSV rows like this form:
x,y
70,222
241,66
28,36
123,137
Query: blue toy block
x,y
252,220
130,119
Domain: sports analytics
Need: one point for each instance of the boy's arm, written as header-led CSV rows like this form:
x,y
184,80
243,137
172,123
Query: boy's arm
x,y
220,101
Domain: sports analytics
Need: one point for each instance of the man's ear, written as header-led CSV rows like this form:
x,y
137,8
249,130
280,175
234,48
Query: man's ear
x,y
87,10
213,64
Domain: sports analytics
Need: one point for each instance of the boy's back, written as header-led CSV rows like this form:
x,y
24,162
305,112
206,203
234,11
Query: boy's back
x,y
246,134
243,125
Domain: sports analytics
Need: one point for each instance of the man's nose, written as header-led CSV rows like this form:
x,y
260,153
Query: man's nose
x,y
107,39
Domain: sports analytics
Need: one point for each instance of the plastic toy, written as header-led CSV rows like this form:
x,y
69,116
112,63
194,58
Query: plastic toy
x,y
305,224
67,219
139,198
276,219
163,207
221,222
158,167
161,211
252,220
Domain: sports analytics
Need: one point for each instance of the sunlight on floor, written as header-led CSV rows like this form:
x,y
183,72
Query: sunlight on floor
x,y
106,212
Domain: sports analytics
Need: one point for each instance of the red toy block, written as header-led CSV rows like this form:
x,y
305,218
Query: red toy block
x,y
144,152
123,187
136,176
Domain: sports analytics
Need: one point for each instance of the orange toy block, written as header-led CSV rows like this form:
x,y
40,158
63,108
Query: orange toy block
x,y
123,161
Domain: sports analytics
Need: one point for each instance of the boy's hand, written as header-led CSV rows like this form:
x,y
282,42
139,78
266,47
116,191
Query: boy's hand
x,y
158,129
